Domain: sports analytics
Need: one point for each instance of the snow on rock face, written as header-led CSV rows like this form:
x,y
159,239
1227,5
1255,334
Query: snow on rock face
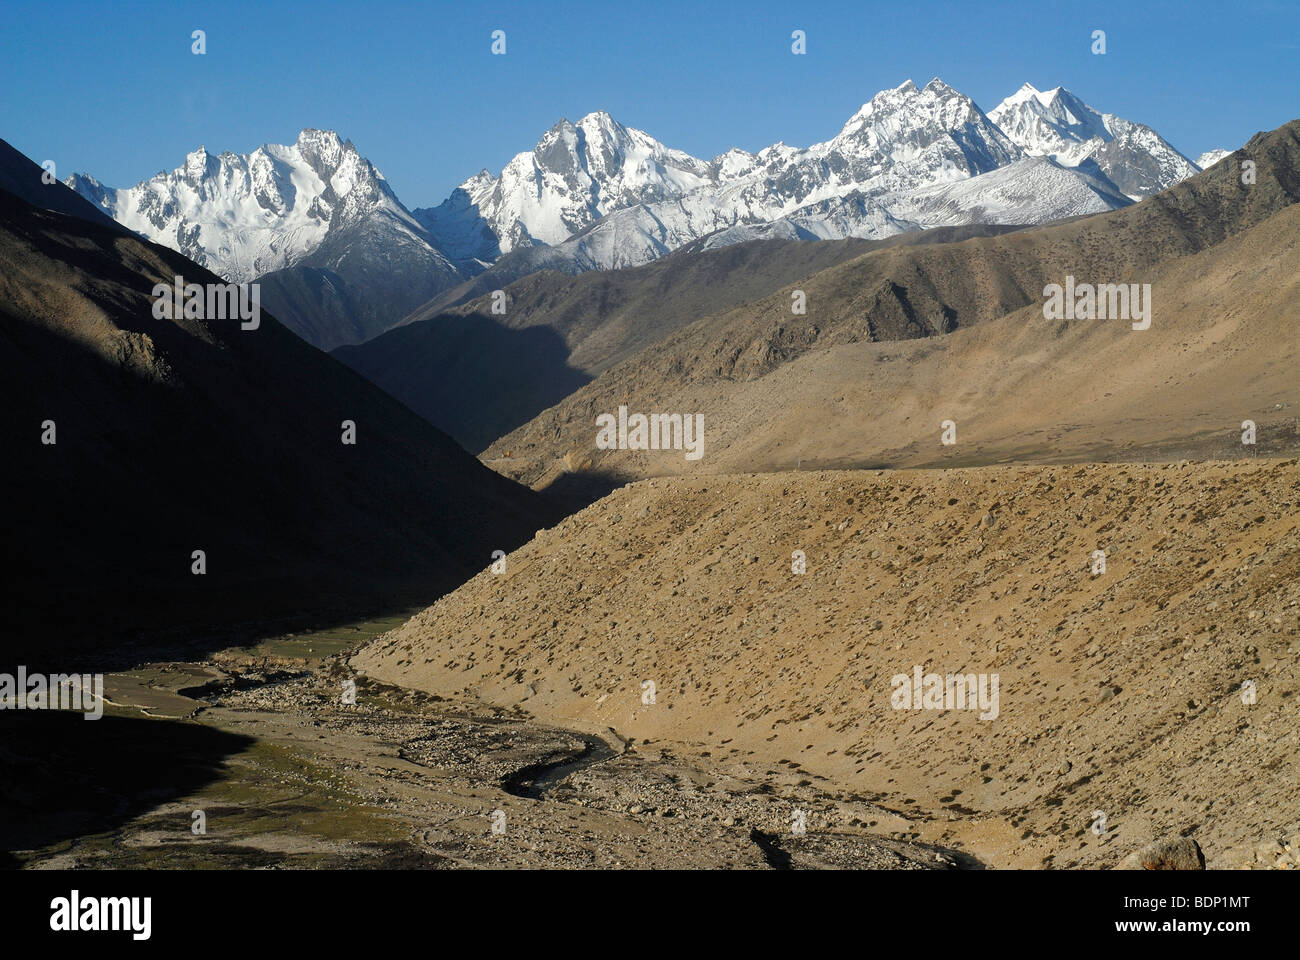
x,y
1210,157
243,215
732,165
1030,190
1057,124
575,175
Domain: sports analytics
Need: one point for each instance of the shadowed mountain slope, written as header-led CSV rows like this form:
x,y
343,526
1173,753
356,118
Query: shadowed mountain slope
x,y
356,284
176,436
23,178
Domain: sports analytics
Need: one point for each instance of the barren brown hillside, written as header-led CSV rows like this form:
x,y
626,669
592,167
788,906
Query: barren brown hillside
x,y
559,331
1121,692
605,316
1223,348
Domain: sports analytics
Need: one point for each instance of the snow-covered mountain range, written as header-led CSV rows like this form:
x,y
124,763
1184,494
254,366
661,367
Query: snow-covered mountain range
x,y
243,215
320,222
908,159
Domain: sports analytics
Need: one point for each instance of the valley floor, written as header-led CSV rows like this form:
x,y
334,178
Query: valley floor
x,y
296,778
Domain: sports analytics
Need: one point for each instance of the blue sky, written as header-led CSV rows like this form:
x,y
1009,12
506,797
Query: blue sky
x,y
112,89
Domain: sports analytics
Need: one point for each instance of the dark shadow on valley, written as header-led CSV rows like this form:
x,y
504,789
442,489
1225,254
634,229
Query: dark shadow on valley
x,y
298,533
68,777
175,436
571,492
470,376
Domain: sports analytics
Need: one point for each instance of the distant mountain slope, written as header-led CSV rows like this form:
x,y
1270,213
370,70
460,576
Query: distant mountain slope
x,y
831,385
341,257
1210,157
478,375
361,280
175,436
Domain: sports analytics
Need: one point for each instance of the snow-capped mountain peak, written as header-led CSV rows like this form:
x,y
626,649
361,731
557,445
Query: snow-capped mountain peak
x,y
576,174
196,166
243,215
1029,92
908,137
1055,123
1026,92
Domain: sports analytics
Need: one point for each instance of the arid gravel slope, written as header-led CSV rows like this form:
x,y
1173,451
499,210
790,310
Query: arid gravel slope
x,y
1120,693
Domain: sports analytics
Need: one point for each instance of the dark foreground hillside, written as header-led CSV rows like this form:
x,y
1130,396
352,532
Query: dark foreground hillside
x,y
176,436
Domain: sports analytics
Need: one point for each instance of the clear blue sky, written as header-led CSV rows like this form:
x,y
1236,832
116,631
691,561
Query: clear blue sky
x,y
112,89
